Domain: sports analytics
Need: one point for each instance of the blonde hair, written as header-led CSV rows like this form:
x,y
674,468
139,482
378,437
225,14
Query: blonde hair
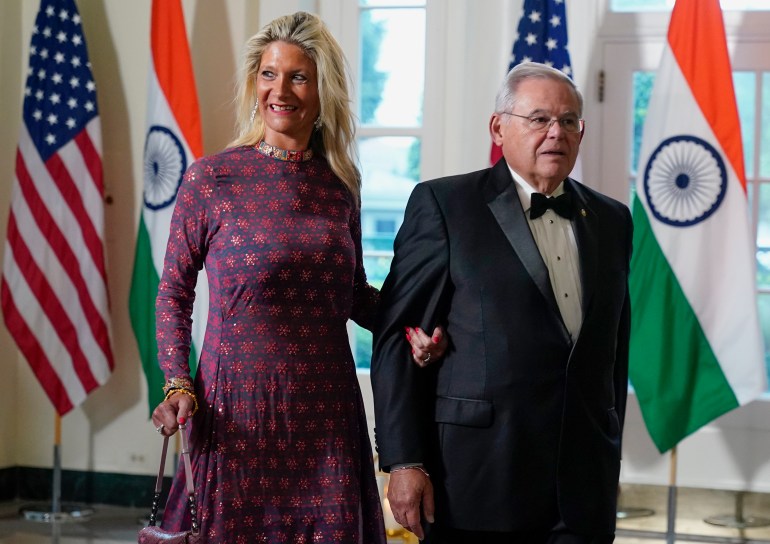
x,y
335,140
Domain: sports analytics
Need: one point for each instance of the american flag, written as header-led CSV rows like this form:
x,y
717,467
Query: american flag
x,y
540,37
54,286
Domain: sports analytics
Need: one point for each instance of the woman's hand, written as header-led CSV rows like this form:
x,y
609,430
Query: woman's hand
x,y
426,349
165,415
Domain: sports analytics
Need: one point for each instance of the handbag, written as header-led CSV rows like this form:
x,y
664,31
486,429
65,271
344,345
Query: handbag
x,y
155,535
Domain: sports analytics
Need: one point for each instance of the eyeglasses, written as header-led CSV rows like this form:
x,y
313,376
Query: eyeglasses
x,y
540,123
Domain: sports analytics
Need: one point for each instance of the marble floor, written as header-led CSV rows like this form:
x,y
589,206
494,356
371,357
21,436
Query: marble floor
x,y
119,525
702,515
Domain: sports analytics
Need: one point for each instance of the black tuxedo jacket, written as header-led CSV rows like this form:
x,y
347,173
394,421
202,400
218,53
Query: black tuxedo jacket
x,y
516,419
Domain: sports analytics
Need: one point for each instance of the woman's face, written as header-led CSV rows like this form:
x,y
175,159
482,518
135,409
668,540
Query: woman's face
x,y
287,88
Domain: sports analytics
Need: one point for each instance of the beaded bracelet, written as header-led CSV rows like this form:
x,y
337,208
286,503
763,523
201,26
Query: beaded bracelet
x,y
415,467
184,392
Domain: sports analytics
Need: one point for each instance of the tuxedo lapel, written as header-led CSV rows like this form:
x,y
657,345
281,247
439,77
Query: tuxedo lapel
x,y
503,201
585,226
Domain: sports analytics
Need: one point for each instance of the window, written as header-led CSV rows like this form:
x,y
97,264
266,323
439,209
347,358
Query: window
x,y
389,77
759,200
385,226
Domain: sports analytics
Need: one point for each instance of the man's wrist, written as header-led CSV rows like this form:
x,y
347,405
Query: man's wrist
x,y
403,465
409,466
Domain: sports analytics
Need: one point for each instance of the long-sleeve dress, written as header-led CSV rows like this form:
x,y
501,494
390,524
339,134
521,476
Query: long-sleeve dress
x,y
280,448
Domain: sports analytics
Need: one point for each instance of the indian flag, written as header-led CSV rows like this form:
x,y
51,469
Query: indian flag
x,y
696,347
172,142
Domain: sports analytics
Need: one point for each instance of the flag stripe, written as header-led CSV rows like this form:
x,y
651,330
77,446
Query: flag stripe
x,y
93,164
717,102
144,289
58,299
28,344
173,68
54,291
158,221
53,353
55,219
87,162
172,110
50,304
50,241
697,379
73,199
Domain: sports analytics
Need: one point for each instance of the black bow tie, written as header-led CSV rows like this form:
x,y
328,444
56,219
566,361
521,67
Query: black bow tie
x,y
561,204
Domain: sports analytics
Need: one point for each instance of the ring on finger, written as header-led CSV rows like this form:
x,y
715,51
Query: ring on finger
x,y
427,358
160,428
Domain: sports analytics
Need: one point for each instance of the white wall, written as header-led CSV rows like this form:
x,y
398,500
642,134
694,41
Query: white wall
x,y
111,432
11,69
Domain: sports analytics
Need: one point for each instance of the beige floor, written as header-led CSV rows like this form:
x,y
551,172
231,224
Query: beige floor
x,y
693,508
111,525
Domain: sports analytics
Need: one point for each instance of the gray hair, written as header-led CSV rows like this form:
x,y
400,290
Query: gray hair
x,y
506,96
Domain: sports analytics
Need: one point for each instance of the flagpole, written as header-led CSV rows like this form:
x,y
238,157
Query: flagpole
x,y
54,512
671,526
56,493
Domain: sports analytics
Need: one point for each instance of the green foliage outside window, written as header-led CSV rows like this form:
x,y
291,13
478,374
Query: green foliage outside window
x,y
642,90
372,80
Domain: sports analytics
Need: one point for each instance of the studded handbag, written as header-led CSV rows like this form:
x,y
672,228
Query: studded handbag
x,y
155,535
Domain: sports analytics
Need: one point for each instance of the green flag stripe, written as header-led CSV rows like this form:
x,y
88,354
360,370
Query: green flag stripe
x,y
676,376
141,307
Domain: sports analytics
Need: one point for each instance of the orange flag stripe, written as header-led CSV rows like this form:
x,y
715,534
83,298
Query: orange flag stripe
x,y
696,35
173,68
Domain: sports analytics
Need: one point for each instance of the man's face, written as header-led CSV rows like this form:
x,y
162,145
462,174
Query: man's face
x,y
543,158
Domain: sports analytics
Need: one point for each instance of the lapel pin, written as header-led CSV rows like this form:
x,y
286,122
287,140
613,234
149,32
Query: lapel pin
x,y
583,212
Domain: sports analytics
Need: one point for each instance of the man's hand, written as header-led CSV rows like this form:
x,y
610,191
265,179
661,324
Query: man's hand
x,y
408,489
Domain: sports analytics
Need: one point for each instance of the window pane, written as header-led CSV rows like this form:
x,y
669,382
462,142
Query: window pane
x,y
764,320
392,68
392,3
641,5
763,238
642,89
744,84
764,157
666,5
390,167
362,347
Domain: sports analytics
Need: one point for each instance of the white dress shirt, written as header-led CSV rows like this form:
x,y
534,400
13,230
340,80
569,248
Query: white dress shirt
x,y
555,239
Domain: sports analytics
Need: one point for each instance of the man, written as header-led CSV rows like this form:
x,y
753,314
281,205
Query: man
x,y
515,435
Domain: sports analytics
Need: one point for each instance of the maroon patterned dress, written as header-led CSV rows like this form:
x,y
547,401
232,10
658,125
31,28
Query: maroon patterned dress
x,y
280,448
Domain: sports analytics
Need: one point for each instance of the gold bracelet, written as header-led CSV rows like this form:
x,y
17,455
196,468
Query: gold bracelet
x,y
415,467
182,382
185,392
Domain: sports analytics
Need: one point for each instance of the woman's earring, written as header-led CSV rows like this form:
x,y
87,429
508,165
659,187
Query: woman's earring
x,y
318,123
254,110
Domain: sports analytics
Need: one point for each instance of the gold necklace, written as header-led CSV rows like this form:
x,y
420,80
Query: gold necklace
x,y
284,154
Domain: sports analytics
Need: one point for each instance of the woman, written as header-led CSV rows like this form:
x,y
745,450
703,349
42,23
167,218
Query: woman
x,y
280,446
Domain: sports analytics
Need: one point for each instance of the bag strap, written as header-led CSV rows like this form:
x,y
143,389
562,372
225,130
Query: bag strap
x,y
188,479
